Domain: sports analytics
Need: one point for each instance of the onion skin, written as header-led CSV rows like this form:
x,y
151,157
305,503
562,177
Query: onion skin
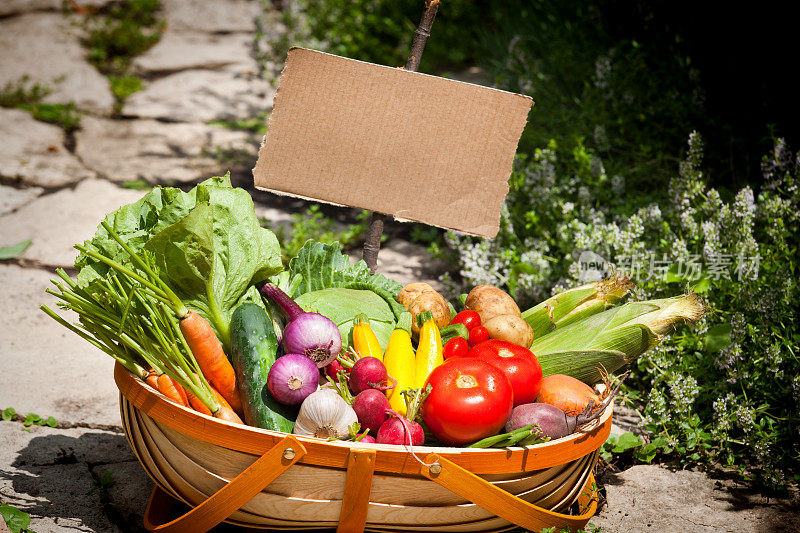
x,y
311,334
315,336
292,378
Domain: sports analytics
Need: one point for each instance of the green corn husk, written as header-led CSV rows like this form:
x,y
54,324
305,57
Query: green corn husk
x,y
614,337
575,304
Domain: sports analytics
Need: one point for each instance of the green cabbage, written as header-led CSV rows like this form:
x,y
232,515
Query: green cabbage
x,y
323,280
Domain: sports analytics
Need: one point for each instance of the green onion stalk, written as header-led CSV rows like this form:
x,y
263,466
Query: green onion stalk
x,y
133,316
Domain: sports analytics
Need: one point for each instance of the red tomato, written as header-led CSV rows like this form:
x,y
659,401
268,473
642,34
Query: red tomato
x,y
469,400
517,363
471,319
477,335
455,347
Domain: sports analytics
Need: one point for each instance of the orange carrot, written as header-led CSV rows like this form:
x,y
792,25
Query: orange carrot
x,y
181,392
166,386
567,393
152,379
207,349
196,404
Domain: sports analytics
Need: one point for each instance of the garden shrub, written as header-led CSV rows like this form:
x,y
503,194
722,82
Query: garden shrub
x,y
727,389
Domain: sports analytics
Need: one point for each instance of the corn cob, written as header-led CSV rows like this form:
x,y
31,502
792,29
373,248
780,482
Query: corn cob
x,y
575,304
614,337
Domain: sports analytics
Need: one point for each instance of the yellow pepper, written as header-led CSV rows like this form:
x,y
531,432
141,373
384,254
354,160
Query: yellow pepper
x,y
400,363
364,340
429,349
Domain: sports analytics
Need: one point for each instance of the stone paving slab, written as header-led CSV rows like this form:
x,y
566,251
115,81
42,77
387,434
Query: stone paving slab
x,y
57,221
219,16
655,498
47,369
47,472
33,152
12,198
45,48
180,50
202,96
16,7
127,150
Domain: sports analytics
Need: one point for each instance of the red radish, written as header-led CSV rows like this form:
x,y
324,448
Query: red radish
x,y
370,406
367,439
333,368
368,373
399,430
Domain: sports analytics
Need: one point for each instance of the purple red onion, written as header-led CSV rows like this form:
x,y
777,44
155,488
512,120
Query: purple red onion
x,y
311,334
292,378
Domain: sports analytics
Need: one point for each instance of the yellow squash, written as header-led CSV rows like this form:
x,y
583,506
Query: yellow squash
x,y
400,363
364,340
429,349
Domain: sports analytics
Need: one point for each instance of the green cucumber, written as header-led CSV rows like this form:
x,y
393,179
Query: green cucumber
x,y
254,347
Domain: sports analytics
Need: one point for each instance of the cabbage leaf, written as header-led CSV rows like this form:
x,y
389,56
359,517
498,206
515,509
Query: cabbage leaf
x,y
324,280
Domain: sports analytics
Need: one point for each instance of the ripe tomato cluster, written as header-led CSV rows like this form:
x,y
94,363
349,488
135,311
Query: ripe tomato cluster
x,y
474,391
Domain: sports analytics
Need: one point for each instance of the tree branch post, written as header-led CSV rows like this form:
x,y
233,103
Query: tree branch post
x,y
372,242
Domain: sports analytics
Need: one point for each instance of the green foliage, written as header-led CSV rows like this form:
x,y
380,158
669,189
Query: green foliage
x,y
139,184
17,521
378,31
18,95
127,30
257,124
725,390
14,250
627,100
315,225
102,484
116,36
31,419
124,86
619,444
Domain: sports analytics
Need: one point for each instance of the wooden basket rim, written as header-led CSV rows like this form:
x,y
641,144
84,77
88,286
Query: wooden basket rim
x,y
389,458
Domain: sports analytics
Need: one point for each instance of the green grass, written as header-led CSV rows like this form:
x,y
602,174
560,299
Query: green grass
x,y
21,95
122,87
115,37
127,30
258,124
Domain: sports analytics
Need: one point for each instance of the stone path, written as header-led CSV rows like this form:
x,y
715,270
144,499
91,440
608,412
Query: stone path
x,y
54,190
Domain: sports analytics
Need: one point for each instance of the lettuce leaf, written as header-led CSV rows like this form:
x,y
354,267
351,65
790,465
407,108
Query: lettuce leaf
x,y
207,245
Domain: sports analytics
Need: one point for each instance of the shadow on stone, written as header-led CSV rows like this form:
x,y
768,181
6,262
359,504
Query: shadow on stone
x,y
56,477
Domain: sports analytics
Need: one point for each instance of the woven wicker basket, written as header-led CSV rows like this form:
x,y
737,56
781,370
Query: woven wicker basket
x,y
269,480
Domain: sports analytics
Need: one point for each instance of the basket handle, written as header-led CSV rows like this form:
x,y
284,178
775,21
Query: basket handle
x,y
504,504
229,498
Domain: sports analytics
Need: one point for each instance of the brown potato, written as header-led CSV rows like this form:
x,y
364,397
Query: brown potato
x,y
410,292
510,328
433,302
490,301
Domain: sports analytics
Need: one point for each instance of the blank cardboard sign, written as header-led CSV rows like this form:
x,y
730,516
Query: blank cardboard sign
x,y
415,146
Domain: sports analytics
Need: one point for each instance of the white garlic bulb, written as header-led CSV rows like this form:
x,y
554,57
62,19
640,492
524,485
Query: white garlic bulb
x,y
326,415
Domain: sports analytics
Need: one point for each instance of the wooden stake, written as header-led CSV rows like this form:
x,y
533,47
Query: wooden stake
x,y
372,242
